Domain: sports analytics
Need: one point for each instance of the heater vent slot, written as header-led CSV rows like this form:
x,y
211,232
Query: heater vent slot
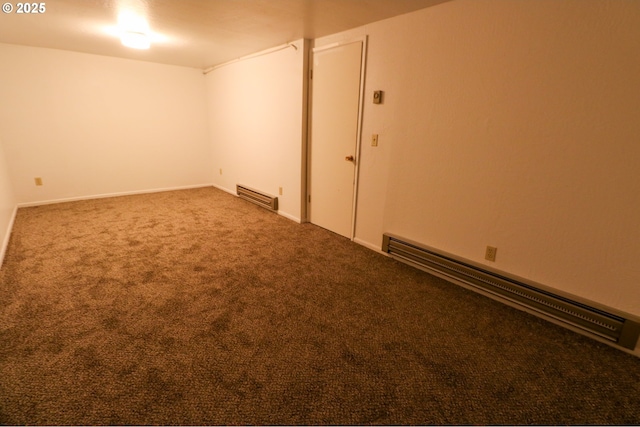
x,y
593,321
257,197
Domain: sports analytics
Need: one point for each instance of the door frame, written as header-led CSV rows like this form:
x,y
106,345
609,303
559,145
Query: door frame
x,y
363,68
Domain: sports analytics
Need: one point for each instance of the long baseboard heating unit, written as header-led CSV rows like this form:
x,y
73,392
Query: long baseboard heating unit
x,y
257,197
617,329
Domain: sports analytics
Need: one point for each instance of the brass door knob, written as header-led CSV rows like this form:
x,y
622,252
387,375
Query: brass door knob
x,y
349,158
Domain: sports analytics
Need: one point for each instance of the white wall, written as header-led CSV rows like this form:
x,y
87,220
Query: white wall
x,y
7,203
512,124
257,125
90,125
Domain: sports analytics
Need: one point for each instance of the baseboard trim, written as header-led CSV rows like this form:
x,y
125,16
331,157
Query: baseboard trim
x,y
290,217
107,195
5,242
369,245
226,190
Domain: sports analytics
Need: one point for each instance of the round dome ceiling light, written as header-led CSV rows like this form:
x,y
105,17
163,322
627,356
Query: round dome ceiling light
x,y
135,40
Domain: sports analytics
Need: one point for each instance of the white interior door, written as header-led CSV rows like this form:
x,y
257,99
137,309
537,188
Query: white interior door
x,y
334,125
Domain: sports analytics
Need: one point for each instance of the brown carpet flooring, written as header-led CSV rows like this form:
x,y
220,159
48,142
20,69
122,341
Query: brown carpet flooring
x,y
195,307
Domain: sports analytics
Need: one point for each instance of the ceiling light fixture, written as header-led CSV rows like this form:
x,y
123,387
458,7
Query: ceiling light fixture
x,y
135,40
134,30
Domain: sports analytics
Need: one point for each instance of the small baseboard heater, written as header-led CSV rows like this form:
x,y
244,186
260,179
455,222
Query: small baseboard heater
x,y
257,197
614,328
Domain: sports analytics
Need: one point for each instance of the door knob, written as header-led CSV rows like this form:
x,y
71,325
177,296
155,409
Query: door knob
x,y
349,158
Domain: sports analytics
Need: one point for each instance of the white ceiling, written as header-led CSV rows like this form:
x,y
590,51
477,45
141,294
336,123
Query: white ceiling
x,y
194,33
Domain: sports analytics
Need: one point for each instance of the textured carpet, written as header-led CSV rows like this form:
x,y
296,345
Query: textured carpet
x,y
195,307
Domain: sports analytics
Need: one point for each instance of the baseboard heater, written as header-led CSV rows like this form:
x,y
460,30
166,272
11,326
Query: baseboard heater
x,y
614,328
257,197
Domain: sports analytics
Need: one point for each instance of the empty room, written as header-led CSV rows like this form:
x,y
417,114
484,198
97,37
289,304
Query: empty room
x,y
313,212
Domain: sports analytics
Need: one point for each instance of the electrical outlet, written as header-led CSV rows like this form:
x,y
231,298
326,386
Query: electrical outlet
x,y
374,140
38,181
490,254
280,191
